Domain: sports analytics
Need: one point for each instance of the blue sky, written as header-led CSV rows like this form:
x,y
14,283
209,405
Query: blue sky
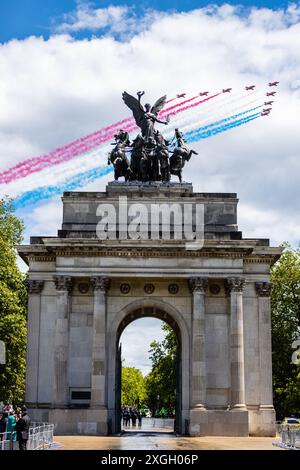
x,y
22,18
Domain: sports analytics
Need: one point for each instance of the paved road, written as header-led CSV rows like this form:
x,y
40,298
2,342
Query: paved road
x,y
163,441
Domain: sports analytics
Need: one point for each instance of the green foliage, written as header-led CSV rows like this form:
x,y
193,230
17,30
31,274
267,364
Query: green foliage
x,y
285,277
12,290
133,387
161,381
13,301
12,374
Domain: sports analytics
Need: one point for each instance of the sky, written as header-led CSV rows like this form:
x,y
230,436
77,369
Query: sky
x,y
64,65
136,340
22,18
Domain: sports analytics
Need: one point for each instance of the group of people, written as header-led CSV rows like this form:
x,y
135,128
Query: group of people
x,y
14,425
131,414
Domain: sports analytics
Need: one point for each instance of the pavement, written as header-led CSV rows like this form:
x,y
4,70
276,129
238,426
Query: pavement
x,y
153,440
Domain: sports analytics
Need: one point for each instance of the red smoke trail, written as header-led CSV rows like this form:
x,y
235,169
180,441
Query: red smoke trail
x,y
83,145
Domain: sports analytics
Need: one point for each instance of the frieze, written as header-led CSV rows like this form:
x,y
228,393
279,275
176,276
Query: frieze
x,y
44,258
155,253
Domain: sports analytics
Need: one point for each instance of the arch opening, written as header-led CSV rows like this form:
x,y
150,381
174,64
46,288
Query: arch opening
x,y
168,404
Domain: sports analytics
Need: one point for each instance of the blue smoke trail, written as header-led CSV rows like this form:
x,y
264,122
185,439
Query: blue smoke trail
x,y
47,192
81,179
222,121
204,134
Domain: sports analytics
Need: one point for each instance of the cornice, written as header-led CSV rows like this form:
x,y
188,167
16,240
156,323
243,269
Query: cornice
x,y
146,252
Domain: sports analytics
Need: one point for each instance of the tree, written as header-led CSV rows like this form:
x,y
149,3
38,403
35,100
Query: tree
x,y
285,277
133,387
12,374
161,381
13,301
12,291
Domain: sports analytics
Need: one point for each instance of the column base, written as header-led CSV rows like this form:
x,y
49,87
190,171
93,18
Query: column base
x,y
85,421
262,421
199,406
219,423
238,406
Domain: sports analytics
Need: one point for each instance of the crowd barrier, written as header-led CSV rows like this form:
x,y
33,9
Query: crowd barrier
x,y
289,435
40,437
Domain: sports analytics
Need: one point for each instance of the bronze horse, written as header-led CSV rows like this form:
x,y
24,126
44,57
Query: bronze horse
x,y
120,162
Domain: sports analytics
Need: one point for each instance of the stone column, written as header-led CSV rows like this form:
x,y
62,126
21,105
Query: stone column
x,y
100,285
237,369
64,285
34,288
198,287
263,290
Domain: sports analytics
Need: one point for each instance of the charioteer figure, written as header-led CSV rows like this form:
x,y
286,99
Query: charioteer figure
x,y
145,117
150,153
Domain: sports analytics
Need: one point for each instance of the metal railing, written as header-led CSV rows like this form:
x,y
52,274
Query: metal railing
x,y
290,436
40,437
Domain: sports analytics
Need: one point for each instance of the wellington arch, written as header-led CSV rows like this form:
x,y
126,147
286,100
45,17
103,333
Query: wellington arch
x,y
84,290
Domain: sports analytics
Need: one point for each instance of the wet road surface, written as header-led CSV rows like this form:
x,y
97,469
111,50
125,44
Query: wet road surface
x,y
141,440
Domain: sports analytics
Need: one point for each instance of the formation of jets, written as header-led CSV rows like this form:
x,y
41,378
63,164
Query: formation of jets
x,y
265,112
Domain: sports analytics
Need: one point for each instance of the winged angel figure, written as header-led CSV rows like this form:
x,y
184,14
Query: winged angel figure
x,y
146,117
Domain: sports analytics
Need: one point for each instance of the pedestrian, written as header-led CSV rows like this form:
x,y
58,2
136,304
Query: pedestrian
x,y
139,417
3,425
10,428
8,408
133,417
22,429
127,417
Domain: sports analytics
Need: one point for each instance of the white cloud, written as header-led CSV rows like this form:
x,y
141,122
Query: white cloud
x,y
120,21
86,17
136,340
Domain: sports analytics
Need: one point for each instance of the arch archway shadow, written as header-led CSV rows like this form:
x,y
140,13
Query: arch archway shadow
x,y
168,314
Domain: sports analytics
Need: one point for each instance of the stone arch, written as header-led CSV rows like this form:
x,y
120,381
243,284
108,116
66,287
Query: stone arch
x,y
131,312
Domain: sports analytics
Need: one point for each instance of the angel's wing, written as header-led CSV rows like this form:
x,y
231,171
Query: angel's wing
x,y
135,106
158,105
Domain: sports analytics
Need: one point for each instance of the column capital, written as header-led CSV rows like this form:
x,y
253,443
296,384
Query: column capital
x,y
234,284
263,289
198,284
101,283
34,286
63,283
